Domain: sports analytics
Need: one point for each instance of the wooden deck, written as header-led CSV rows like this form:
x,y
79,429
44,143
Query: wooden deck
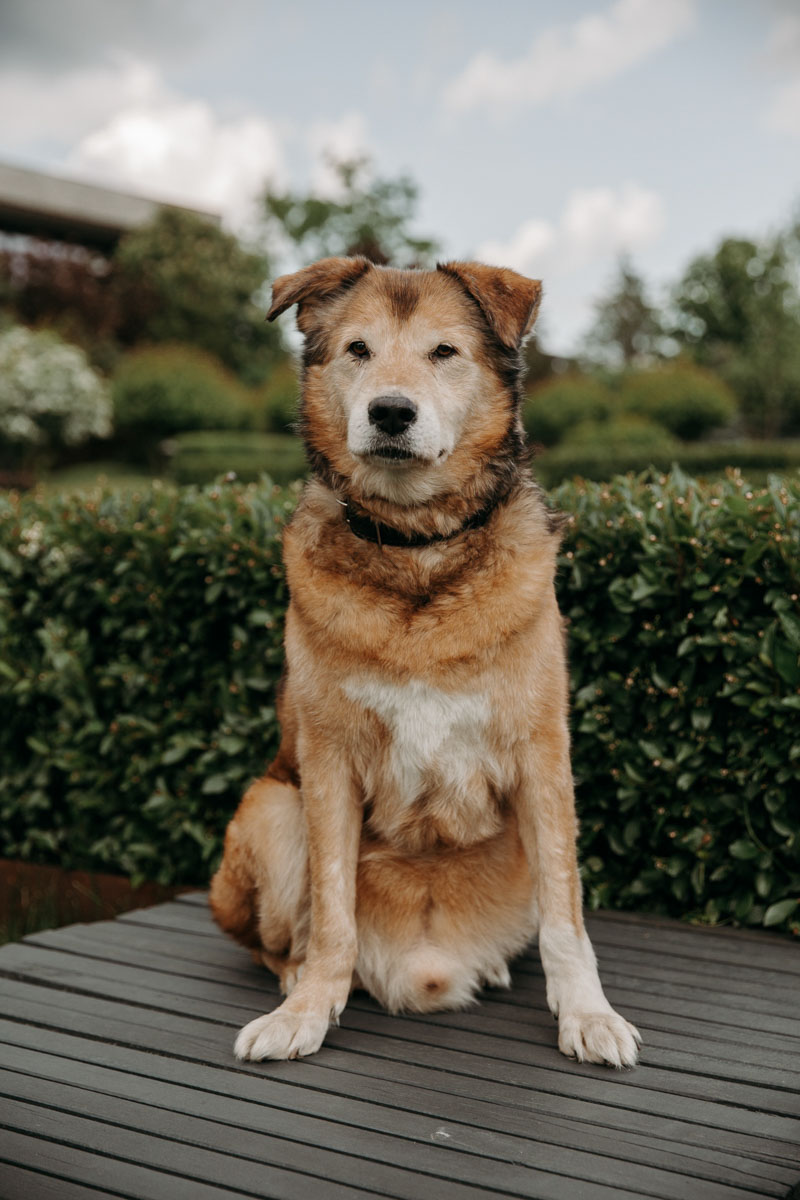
x,y
117,1077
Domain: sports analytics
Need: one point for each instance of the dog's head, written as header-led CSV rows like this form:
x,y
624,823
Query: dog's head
x,y
411,378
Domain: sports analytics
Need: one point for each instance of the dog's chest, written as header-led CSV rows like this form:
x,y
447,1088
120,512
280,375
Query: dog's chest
x,y
434,768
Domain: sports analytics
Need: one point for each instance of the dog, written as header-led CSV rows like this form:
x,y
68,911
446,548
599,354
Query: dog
x,y
417,827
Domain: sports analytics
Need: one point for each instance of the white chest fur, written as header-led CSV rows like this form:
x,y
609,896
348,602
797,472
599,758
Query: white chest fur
x,y
430,730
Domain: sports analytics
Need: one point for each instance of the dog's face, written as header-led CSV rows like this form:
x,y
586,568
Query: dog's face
x,y
408,374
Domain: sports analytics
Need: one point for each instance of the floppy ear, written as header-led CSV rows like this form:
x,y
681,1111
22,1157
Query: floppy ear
x,y
509,301
317,282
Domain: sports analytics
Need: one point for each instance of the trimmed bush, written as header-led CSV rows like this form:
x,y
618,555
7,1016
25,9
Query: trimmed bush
x,y
705,459
622,434
687,401
276,401
684,635
163,390
140,645
557,406
200,457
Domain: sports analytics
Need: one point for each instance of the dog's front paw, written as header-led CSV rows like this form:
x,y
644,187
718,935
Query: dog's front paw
x,y
281,1034
598,1037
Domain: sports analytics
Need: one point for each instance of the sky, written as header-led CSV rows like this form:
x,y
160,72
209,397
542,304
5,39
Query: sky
x,y
549,137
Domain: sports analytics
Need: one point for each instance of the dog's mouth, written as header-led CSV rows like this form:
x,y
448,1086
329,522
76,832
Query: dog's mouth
x,y
396,454
392,453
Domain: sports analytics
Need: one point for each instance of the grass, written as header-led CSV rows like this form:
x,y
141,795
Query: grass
x,y
85,477
197,458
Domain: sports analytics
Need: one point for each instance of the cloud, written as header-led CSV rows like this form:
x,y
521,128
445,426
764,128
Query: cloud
x,y
180,150
94,29
597,223
48,110
331,142
783,114
119,125
572,253
782,56
530,245
568,59
782,50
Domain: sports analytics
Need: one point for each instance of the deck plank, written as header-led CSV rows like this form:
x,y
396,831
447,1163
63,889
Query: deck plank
x,y
407,1038
760,1066
117,1077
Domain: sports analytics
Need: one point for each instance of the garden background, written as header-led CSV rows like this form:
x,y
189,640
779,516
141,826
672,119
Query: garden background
x,y
148,463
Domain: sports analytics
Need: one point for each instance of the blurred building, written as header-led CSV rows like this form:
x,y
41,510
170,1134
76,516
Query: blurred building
x,y
52,207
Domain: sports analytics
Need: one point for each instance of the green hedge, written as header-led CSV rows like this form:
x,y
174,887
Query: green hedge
x,y
684,399
559,404
621,435
275,402
201,456
684,635
140,642
163,390
603,461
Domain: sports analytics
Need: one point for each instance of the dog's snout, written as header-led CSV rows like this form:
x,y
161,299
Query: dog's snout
x,y
392,414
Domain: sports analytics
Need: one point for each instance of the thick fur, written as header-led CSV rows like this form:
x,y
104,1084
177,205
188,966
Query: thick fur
x,y
418,826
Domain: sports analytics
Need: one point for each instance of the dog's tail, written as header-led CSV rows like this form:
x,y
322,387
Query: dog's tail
x,y
429,977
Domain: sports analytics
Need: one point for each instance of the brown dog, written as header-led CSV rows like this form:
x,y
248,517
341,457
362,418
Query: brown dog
x,y
418,824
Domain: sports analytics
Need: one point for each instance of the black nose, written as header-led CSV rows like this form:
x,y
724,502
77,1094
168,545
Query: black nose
x,y
392,414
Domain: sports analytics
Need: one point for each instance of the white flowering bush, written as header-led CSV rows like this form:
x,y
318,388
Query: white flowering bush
x,y
50,396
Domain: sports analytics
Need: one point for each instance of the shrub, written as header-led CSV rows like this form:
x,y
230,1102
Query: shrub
x,y
688,401
49,395
685,400
200,457
706,459
276,401
140,643
623,434
139,652
556,407
165,390
684,630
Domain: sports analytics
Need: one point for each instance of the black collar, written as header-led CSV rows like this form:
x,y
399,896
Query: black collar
x,y
386,535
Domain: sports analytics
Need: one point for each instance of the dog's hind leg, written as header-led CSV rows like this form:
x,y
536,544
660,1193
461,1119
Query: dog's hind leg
x,y
260,893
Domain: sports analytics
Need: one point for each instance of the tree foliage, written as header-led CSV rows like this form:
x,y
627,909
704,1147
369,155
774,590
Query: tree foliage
x,y
368,216
627,328
182,279
738,312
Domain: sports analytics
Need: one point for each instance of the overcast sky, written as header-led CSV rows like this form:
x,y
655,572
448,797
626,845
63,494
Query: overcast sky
x,y
543,136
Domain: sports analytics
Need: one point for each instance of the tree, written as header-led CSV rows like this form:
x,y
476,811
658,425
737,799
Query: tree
x,y
738,312
66,287
368,217
627,329
182,279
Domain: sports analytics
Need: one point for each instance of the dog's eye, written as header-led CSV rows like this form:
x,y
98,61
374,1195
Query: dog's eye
x,y
444,350
359,349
